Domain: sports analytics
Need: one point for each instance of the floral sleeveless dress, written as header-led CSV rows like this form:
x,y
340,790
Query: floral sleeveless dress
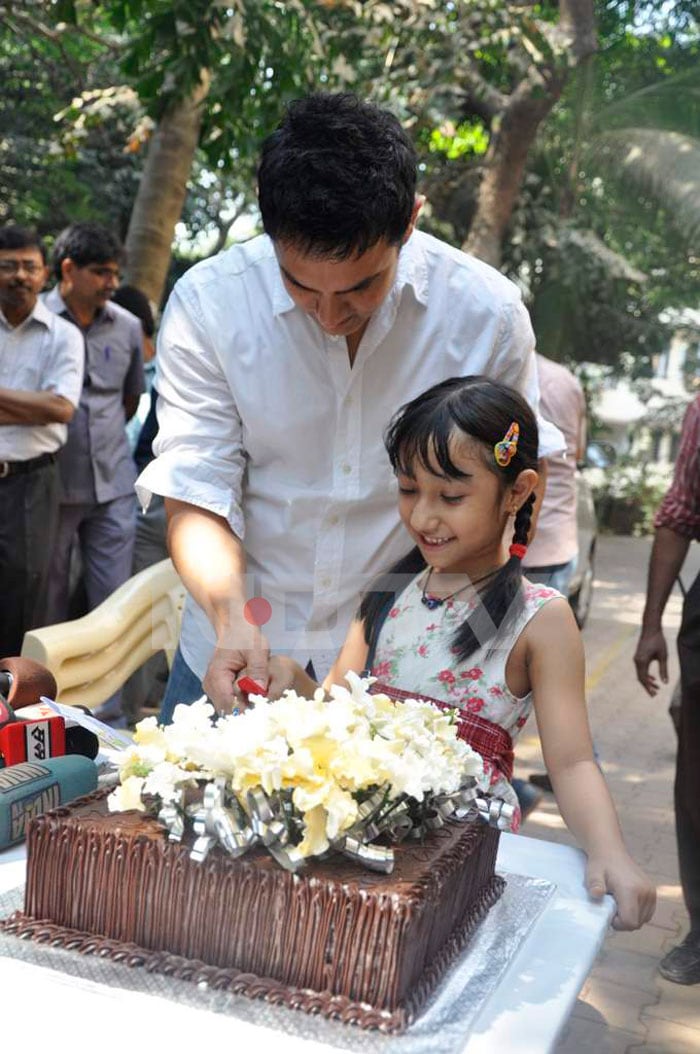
x,y
414,653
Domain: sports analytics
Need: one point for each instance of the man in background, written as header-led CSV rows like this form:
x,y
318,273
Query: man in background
x,y
41,374
553,553
677,523
98,505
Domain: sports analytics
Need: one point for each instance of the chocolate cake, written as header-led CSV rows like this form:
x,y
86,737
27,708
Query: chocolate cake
x,y
334,938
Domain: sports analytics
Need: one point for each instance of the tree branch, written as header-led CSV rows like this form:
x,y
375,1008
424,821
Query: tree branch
x,y
480,96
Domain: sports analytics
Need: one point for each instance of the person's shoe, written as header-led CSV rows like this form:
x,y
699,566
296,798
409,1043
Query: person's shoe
x,y
682,964
542,780
528,797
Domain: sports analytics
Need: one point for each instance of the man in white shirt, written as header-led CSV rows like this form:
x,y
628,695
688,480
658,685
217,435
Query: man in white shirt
x,y
41,374
280,363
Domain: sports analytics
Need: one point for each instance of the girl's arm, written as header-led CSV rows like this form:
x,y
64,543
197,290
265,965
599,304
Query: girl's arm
x,y
557,680
286,673
352,655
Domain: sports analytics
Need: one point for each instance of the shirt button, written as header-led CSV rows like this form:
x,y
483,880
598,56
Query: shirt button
x,y
334,519
347,469
325,581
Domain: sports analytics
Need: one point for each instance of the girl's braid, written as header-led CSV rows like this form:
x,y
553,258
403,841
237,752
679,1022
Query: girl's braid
x,y
523,519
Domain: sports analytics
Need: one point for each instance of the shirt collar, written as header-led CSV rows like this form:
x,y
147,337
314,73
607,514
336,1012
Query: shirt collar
x,y
57,304
412,271
39,313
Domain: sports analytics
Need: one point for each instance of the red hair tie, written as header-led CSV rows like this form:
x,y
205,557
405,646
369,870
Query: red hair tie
x,y
519,550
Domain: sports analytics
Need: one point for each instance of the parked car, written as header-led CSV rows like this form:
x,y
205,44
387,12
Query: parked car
x,y
582,580
599,454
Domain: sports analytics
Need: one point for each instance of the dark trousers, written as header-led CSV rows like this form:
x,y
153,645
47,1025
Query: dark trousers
x,y
28,521
687,786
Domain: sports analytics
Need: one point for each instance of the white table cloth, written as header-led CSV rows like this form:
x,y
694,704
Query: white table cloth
x,y
525,1015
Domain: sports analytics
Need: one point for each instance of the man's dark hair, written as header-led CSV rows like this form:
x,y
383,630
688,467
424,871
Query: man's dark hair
x,y
85,243
337,176
137,303
14,237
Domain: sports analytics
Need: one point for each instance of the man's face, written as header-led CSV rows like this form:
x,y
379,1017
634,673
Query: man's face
x,y
22,277
341,295
89,287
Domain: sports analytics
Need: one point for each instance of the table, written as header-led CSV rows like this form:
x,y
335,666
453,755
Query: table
x,y
525,1015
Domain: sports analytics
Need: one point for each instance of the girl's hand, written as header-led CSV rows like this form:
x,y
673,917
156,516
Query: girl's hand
x,y
634,893
285,673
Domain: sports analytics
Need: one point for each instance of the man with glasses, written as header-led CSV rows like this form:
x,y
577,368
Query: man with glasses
x,y
98,505
41,373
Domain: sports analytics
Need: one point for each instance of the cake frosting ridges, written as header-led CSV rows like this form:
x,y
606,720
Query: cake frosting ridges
x,y
348,943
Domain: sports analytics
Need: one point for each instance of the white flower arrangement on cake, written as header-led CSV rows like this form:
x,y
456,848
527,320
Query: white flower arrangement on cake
x,y
303,776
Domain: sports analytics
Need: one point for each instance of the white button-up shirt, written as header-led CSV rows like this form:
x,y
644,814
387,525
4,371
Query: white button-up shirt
x,y
42,354
264,422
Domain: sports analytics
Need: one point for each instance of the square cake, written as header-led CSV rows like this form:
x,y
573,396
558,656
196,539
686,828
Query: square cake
x,y
332,938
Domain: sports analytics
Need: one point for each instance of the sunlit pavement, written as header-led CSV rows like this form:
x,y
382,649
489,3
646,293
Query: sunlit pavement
x,y
625,1005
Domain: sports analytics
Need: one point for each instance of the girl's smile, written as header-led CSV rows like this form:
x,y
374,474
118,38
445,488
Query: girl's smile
x,y
456,521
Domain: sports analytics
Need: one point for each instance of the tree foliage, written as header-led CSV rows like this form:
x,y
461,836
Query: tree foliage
x,y
599,227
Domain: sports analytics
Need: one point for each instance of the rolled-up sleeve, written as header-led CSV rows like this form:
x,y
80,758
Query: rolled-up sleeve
x,y
199,456
680,508
515,364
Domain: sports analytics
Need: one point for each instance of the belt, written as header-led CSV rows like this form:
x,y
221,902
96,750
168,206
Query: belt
x,y
17,468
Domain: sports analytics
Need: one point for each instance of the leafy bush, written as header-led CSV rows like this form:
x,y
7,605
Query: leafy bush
x,y
627,495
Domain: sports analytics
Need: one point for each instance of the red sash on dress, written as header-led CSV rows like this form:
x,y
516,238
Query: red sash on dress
x,y
486,738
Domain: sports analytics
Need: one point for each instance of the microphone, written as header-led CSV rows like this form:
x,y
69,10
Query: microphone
x,y
32,740
30,730
33,787
77,740
23,681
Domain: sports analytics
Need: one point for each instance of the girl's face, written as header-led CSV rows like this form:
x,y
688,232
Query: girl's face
x,y
458,523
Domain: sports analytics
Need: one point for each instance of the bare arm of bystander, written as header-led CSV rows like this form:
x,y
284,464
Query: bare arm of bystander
x,y
33,408
667,556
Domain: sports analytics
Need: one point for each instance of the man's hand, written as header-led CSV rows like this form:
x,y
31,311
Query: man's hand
x,y
651,647
244,648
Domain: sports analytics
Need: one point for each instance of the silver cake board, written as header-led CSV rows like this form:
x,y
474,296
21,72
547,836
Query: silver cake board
x,y
440,1029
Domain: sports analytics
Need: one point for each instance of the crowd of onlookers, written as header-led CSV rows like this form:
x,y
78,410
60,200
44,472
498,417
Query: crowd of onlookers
x,y
71,377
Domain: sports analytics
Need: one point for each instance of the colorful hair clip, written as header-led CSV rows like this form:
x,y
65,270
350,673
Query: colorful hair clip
x,y
506,450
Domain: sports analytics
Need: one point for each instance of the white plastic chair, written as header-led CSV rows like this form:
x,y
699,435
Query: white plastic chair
x,y
91,657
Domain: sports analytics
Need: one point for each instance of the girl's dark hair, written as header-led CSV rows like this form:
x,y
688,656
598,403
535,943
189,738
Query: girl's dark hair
x,y
422,431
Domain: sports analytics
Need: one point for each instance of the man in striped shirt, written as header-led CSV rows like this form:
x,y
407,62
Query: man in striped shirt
x,y
677,523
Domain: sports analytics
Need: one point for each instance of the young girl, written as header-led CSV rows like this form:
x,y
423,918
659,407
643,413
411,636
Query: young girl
x,y
456,622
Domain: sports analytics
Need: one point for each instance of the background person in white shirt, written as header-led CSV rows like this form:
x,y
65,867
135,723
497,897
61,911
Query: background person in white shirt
x,y
280,363
41,374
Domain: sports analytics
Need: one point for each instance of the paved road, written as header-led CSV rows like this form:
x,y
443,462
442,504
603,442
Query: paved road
x,y
626,1006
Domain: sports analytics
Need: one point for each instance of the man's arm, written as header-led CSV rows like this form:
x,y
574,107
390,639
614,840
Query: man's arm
x,y
134,380
131,405
667,556
33,408
210,559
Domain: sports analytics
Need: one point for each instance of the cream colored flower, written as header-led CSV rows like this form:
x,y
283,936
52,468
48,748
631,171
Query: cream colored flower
x,y
127,795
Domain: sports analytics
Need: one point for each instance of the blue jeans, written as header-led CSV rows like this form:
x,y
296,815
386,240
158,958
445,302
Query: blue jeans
x,y
556,576
183,687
